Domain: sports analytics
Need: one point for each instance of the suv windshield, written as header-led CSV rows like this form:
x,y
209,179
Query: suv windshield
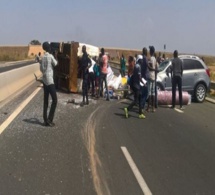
x,y
163,65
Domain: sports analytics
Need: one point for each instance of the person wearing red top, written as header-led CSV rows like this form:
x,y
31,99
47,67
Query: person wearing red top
x,y
103,63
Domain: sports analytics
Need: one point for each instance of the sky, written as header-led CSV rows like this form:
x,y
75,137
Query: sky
x,y
185,25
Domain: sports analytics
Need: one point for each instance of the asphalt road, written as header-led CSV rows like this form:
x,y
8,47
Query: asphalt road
x,y
42,160
173,151
90,148
82,154
10,66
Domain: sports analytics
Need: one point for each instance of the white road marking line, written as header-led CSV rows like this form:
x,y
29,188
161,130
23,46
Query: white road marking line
x,y
136,172
178,110
4,125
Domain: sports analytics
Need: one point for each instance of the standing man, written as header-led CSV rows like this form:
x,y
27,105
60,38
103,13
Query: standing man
x,y
176,74
135,86
91,82
151,82
47,65
145,76
156,90
85,65
96,70
103,62
123,65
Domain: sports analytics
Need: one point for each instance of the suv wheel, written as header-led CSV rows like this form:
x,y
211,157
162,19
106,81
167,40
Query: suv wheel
x,y
200,93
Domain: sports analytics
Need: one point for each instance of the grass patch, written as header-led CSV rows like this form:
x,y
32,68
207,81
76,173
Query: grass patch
x,y
211,94
212,72
14,53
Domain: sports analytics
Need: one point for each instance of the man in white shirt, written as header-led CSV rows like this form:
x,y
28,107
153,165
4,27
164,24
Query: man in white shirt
x,y
47,65
151,82
91,83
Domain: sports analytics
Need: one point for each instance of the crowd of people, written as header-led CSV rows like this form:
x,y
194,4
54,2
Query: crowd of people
x,y
142,75
94,73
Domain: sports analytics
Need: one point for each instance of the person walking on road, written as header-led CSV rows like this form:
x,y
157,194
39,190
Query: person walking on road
x,y
176,74
85,65
48,62
135,81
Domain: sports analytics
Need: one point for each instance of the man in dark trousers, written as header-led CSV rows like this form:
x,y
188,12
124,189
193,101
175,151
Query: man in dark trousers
x,y
47,65
85,65
103,63
152,79
145,76
176,74
136,79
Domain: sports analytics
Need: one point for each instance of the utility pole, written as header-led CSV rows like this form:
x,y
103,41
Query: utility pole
x,y
164,48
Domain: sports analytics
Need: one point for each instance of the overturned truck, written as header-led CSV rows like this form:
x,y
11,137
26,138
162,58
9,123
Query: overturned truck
x,y
66,74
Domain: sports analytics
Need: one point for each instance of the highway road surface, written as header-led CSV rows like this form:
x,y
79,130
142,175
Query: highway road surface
x,y
12,65
96,150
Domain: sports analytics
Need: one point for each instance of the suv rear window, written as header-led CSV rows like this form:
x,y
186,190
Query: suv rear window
x,y
189,64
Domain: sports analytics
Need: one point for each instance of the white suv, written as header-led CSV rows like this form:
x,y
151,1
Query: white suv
x,y
195,79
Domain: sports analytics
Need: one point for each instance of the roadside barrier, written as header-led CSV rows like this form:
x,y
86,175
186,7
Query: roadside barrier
x,y
16,80
115,65
212,85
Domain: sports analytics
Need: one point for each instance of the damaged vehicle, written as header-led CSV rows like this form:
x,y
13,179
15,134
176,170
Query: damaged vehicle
x,y
195,80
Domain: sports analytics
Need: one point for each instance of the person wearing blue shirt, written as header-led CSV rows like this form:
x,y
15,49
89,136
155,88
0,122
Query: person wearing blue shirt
x,y
96,70
135,81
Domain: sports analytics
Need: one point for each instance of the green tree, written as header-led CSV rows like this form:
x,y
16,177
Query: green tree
x,y
35,42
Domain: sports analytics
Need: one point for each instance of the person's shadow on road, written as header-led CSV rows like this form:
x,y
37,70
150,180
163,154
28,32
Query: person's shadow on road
x,y
34,121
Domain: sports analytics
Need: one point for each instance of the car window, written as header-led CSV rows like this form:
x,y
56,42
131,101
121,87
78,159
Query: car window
x,y
198,65
189,64
163,65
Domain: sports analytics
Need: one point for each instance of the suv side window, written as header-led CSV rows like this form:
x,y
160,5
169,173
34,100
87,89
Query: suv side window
x,y
198,65
189,64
